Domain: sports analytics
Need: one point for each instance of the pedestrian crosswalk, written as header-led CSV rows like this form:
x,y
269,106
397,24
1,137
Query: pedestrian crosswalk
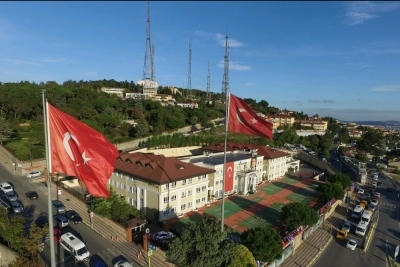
x,y
390,204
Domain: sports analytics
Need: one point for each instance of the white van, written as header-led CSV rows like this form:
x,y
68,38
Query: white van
x,y
357,212
361,228
366,217
75,247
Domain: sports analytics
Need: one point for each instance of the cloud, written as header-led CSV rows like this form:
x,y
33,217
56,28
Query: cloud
x,y
21,62
220,38
313,101
234,65
387,88
249,84
355,114
358,12
328,101
91,73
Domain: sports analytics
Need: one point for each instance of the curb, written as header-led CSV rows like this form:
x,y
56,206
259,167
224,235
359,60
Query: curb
x,y
319,253
369,238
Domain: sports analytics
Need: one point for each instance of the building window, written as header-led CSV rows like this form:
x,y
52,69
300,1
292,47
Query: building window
x,y
165,199
183,194
198,190
217,183
203,199
198,201
189,204
216,194
184,182
173,209
183,206
166,212
173,198
142,203
235,187
166,187
199,179
190,180
204,177
189,192
173,184
203,188
132,189
141,192
220,193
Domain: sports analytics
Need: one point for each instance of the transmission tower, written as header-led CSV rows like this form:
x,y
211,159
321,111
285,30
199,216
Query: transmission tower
x,y
189,83
225,81
147,69
153,75
208,96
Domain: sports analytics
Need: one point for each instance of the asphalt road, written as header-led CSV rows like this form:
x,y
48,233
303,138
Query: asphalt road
x,y
384,240
98,246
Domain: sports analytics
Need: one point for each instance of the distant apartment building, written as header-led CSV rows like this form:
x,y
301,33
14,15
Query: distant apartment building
x,y
174,90
355,133
188,105
281,120
163,187
149,87
316,123
165,100
114,91
136,96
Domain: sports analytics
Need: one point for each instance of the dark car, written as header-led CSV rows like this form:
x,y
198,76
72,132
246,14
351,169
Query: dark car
x,y
42,221
58,205
379,183
73,216
389,189
32,195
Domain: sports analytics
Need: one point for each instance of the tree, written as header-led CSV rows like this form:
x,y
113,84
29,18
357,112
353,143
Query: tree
x,y
341,179
264,242
200,244
362,157
5,130
331,190
241,257
296,214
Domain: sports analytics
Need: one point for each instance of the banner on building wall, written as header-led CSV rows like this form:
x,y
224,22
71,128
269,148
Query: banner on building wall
x,y
253,163
229,176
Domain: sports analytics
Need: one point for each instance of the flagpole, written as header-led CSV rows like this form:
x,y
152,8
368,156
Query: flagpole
x,y
227,94
48,177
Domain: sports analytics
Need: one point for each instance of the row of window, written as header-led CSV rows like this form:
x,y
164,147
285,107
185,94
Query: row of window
x,y
185,206
188,193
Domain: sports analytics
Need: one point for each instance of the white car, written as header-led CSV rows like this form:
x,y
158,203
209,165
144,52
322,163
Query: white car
x,y
360,191
34,174
374,202
6,187
122,263
346,226
351,244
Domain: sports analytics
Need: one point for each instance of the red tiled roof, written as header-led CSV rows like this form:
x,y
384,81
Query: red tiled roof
x,y
157,168
266,151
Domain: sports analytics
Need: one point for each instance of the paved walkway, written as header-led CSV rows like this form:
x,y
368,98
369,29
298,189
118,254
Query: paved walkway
x,y
309,251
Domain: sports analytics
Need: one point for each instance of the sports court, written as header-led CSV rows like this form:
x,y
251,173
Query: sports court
x,y
263,207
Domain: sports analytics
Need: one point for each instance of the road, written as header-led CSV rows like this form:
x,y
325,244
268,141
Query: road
x,y
98,246
384,240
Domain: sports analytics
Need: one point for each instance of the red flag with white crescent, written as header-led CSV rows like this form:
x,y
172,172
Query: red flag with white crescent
x,y
78,150
242,119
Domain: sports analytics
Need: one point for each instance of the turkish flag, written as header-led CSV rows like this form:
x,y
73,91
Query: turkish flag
x,y
242,119
78,150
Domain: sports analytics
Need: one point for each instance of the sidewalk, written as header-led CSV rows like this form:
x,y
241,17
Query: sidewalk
x,y
107,229
309,251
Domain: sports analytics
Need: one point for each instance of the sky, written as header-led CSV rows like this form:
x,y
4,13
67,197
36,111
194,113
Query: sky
x,y
339,59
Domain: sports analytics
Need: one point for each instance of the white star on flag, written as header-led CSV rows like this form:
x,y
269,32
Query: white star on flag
x,y
85,159
253,120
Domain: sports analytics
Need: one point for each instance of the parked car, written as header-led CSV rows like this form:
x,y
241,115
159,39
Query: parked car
x,y
32,195
341,235
34,174
373,202
122,263
17,206
58,205
346,226
352,244
11,196
62,220
57,234
360,191
389,189
6,187
162,235
73,216
42,221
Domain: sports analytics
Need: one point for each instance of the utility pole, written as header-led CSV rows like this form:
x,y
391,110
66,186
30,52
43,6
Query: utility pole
x,y
147,71
208,96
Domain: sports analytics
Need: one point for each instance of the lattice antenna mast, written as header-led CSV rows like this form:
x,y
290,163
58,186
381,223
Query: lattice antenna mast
x,y
147,68
153,75
225,82
208,96
189,83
